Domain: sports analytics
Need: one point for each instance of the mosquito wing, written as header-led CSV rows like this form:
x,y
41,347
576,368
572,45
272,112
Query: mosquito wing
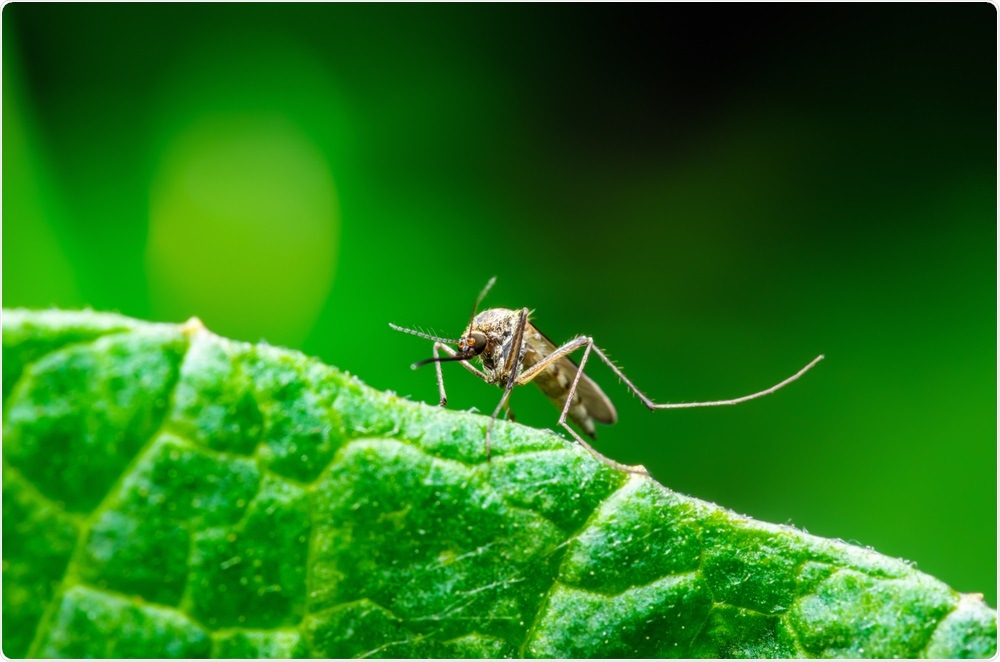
x,y
589,402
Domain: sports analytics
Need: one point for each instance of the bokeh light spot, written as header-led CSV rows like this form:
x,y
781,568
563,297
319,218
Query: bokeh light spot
x,y
243,227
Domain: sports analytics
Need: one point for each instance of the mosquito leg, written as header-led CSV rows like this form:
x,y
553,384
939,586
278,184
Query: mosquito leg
x,y
576,380
509,413
568,348
572,346
440,376
628,468
437,364
636,469
714,403
493,418
577,343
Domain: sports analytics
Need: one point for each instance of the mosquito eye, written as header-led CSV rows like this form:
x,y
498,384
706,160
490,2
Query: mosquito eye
x,y
477,342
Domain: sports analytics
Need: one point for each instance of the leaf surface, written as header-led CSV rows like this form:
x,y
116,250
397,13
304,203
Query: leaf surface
x,y
170,493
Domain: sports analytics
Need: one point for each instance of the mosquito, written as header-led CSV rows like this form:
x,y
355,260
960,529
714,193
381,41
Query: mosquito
x,y
513,352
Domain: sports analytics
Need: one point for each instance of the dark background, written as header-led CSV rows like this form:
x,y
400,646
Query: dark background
x,y
716,193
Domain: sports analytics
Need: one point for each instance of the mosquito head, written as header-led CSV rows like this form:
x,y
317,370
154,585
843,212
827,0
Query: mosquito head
x,y
470,345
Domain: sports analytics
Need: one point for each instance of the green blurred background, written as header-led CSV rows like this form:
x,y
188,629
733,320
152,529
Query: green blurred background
x,y
716,193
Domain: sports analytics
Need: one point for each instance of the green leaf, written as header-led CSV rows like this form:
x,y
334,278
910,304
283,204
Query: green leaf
x,y
167,492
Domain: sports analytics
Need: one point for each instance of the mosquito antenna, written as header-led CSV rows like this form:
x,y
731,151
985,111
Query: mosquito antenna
x,y
421,334
479,300
450,341
482,295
